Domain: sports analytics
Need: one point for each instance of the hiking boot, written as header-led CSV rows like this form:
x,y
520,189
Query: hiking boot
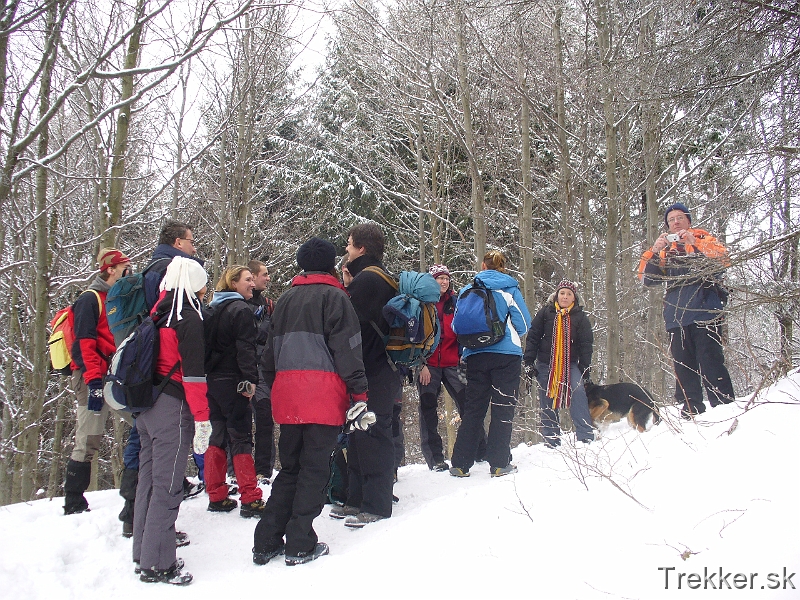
x,y
252,509
263,479
458,472
395,477
320,549
192,490
344,511
127,530
500,471
137,568
74,504
226,505
233,490
440,467
361,519
262,558
181,539
173,575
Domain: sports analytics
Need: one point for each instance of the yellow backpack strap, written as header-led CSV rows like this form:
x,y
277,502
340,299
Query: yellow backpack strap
x,y
99,301
386,277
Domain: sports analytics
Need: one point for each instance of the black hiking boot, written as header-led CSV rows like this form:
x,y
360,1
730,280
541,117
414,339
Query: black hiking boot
x,y
321,549
262,558
173,575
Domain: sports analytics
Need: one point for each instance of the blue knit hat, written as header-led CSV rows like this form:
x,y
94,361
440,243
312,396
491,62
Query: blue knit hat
x,y
680,207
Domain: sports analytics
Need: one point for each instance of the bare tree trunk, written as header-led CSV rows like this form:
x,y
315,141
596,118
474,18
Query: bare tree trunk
x,y
478,195
627,279
612,224
436,227
564,177
54,479
526,208
6,442
183,77
34,400
423,193
117,186
650,144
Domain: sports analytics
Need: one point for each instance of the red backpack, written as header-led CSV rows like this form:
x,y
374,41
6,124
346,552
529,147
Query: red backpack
x,y
60,342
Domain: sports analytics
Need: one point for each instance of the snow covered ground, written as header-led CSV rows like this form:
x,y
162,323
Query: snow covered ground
x,y
631,516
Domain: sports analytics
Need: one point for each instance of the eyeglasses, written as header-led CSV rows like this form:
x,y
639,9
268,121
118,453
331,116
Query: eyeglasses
x,y
192,241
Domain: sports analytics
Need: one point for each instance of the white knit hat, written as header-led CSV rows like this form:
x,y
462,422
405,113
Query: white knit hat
x,y
186,277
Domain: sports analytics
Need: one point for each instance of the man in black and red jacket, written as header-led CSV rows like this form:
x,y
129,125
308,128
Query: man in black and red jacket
x,y
91,353
370,461
313,367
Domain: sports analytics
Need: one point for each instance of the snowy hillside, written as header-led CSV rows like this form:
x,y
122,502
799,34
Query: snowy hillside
x,y
606,521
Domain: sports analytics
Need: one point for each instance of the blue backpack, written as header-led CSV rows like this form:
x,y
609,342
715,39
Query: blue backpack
x,y
411,315
476,322
129,383
126,303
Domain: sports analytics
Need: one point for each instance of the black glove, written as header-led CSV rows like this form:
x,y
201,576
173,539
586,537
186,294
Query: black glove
x,y
95,402
531,370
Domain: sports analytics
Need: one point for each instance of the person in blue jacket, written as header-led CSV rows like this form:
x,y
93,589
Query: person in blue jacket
x,y
493,375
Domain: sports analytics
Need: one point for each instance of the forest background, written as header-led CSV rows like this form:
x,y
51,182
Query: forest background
x,y
554,130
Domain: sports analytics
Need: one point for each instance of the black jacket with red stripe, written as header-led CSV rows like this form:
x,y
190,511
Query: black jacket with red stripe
x,y
182,342
312,360
94,344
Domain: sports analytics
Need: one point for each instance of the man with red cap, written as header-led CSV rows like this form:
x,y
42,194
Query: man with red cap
x,y
91,353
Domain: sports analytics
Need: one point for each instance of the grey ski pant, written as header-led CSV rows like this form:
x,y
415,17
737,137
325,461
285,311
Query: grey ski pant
x,y
166,431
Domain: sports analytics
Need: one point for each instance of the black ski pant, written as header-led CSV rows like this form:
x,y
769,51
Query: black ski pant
x,y
492,380
264,438
370,460
430,439
298,492
700,362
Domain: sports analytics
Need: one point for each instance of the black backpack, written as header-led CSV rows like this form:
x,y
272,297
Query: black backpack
x,y
129,383
476,320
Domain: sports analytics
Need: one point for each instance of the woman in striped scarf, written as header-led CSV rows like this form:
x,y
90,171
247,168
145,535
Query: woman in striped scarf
x,y
558,353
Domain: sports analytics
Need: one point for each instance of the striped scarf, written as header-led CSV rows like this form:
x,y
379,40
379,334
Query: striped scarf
x,y
558,384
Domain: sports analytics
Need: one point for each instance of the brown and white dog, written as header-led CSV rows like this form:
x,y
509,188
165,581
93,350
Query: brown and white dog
x,y
610,403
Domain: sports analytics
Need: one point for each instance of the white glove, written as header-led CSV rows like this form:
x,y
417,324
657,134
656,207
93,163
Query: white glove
x,y
202,434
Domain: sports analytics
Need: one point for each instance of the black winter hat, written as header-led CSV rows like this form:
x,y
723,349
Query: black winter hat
x,y
316,255
677,206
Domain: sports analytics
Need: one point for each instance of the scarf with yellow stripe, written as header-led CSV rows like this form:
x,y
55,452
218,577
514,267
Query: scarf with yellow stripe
x,y
558,384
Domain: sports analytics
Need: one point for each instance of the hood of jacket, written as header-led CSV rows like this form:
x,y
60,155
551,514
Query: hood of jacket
x,y
314,277
495,280
220,297
167,251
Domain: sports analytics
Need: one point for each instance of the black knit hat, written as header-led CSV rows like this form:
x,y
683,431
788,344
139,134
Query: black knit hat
x,y
677,206
316,255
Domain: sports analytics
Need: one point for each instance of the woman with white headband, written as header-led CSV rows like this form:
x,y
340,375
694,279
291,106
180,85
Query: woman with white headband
x,y
166,430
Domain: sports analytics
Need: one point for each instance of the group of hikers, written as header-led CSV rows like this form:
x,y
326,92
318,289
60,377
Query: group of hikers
x,y
315,362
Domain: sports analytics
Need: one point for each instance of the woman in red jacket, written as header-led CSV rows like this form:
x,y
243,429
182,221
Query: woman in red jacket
x,y
441,369
166,429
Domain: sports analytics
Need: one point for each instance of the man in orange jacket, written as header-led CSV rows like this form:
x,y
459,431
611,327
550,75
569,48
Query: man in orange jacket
x,y
691,261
